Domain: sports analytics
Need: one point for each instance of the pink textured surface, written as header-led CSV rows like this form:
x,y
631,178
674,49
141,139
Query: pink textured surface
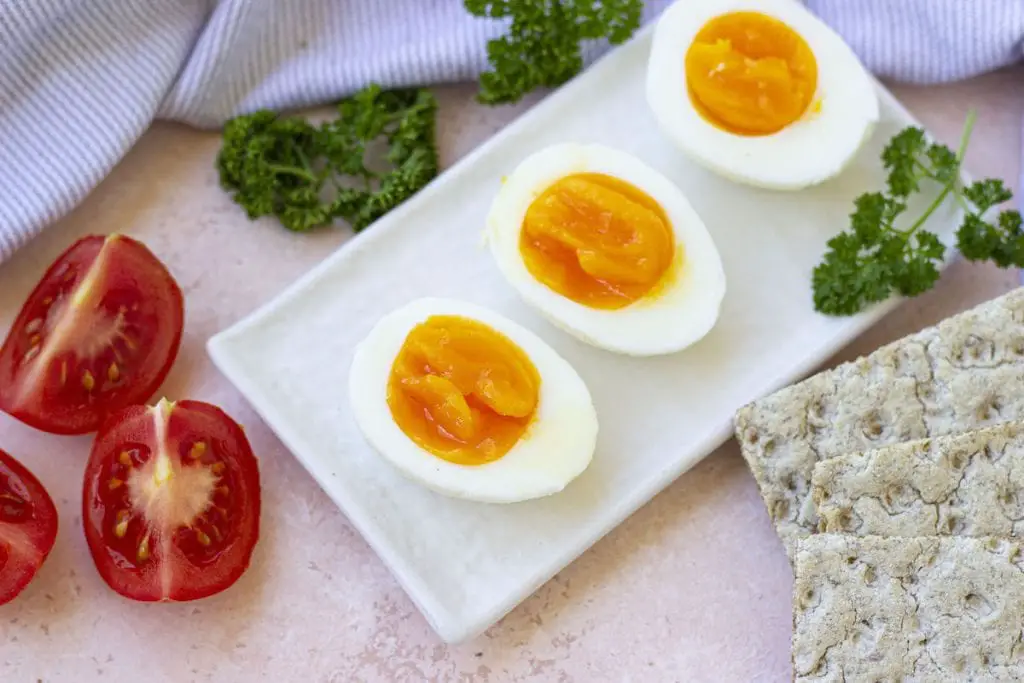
x,y
694,587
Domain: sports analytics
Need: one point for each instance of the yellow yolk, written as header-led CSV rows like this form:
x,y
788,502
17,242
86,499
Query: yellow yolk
x,y
598,241
750,74
462,390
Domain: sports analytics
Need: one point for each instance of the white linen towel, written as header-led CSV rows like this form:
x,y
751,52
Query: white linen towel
x,y
81,80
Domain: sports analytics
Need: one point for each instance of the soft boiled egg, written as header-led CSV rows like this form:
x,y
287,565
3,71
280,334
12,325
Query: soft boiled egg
x,y
607,249
759,91
471,404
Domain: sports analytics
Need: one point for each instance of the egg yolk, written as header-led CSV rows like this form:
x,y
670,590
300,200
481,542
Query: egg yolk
x,y
462,390
597,240
750,74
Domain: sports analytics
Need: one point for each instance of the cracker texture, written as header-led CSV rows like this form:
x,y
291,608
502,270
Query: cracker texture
x,y
965,373
921,610
969,484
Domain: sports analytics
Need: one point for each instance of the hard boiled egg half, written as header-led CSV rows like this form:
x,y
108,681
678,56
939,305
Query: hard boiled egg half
x,y
607,249
471,404
760,91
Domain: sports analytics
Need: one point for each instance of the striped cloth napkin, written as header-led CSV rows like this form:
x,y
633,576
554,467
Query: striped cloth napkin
x,y
81,80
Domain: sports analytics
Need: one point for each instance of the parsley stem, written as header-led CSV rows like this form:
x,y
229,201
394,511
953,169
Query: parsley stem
x,y
925,171
965,137
952,183
929,211
291,170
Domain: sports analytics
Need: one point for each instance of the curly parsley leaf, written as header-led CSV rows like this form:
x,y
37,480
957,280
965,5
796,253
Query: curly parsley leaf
x,y
945,166
309,176
985,194
900,158
980,240
266,163
1001,242
542,47
874,258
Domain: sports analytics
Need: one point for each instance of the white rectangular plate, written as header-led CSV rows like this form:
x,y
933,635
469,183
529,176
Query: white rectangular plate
x,y
465,564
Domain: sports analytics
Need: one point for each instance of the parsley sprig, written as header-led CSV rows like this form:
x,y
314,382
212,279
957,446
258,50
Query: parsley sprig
x,y
542,45
308,176
874,258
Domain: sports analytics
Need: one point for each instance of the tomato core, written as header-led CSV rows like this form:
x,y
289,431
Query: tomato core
x,y
750,74
462,390
598,240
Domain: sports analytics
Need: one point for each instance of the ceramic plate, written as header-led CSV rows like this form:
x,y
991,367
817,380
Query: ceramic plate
x,y
466,564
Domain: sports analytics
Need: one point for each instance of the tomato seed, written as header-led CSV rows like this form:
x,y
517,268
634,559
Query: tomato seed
x,y
13,509
30,354
63,373
202,538
223,490
198,450
88,382
143,553
115,483
113,372
125,458
217,468
121,528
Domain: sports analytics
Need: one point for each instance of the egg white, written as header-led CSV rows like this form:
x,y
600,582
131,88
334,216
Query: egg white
x,y
557,446
679,314
814,148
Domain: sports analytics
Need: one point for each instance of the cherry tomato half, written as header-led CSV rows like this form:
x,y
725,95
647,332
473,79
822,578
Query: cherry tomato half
x,y
171,502
98,333
28,527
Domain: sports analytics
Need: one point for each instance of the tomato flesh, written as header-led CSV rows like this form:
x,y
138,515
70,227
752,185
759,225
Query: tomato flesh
x,y
28,527
98,333
171,501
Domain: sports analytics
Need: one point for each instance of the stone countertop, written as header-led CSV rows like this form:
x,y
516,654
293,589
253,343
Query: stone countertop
x,y
694,587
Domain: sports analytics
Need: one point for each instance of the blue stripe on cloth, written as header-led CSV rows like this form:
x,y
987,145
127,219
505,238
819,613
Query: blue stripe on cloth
x,y
81,80
79,83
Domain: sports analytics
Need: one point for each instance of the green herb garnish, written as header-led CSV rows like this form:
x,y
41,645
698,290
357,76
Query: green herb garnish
x,y
542,46
309,176
873,258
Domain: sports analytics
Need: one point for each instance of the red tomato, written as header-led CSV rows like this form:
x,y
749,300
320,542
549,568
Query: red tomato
x,y
28,527
171,504
98,333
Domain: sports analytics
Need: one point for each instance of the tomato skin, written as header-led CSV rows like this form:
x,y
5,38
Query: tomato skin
x,y
99,332
140,541
28,527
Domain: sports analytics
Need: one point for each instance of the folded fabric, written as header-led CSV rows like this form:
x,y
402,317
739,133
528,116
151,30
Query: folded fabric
x,y
81,80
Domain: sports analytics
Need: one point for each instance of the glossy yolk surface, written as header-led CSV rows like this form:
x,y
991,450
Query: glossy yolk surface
x,y
597,240
462,390
750,74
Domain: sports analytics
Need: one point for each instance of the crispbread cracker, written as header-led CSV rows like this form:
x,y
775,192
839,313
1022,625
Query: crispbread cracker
x,y
917,610
969,484
965,373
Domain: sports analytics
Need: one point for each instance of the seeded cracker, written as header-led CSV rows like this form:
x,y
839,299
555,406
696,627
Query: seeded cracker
x,y
969,484
918,610
965,373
